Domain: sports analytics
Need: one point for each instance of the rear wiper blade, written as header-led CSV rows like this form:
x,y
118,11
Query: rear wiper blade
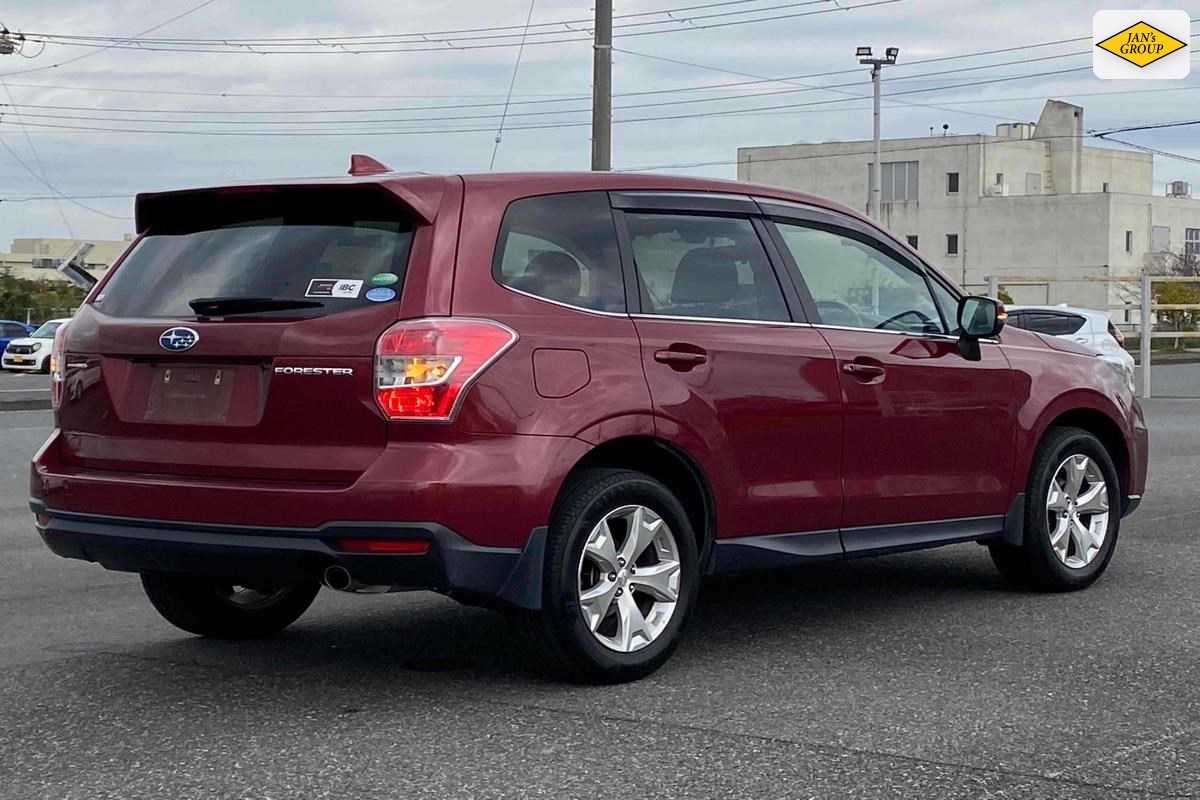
x,y
225,306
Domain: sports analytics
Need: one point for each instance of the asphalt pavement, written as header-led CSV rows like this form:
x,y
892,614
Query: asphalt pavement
x,y
910,676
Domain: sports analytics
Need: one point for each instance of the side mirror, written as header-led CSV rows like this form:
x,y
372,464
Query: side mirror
x,y
980,317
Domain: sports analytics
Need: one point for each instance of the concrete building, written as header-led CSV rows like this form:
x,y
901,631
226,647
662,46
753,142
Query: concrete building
x,y
36,259
1032,201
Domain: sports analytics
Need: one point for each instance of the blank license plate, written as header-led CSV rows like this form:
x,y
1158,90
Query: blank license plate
x,y
193,395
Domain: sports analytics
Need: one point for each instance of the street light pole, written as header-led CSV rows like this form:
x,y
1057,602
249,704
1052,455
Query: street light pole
x,y
877,65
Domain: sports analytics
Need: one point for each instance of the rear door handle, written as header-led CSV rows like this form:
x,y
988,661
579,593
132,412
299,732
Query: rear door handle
x,y
679,358
865,373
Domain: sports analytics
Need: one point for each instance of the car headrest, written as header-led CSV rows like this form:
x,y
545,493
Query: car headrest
x,y
706,275
552,274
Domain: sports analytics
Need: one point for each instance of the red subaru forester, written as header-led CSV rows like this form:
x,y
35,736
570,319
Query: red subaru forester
x,y
564,396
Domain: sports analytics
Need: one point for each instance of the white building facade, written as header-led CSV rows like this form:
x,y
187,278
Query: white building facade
x,y
1031,204
36,259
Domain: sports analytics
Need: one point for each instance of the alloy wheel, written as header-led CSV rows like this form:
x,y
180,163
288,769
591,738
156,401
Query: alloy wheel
x,y
629,578
1077,511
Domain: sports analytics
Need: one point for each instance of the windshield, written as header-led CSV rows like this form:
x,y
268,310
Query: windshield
x,y
332,253
46,331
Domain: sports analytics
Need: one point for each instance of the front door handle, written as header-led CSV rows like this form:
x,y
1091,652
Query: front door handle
x,y
679,359
864,373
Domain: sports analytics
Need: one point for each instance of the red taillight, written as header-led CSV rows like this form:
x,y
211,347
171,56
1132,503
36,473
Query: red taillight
x,y
1115,332
58,365
408,546
424,366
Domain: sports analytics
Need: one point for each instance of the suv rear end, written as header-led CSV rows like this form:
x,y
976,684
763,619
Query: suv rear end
x,y
262,391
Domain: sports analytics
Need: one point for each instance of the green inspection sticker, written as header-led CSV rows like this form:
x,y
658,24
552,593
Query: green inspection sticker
x,y
384,278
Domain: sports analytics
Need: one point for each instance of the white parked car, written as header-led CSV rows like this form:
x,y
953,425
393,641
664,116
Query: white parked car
x,y
1086,326
32,353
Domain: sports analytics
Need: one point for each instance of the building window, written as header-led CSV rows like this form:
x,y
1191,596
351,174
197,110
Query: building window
x,y
897,181
1160,239
44,263
952,244
1104,187
999,178
912,240
1128,241
1191,242
951,183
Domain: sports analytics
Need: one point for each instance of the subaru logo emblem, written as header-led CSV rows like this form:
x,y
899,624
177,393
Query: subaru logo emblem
x,y
178,339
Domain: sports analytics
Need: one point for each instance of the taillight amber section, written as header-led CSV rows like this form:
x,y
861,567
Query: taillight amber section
x,y
424,366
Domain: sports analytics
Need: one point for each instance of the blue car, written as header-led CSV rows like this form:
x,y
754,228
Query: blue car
x,y
11,329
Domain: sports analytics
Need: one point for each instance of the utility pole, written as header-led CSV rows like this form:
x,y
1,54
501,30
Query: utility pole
x,y
602,88
877,65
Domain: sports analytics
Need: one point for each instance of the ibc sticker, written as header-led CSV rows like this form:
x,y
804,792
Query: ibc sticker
x,y
380,294
333,287
1147,45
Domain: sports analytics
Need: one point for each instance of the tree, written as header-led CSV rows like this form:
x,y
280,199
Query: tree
x,y
39,300
1177,264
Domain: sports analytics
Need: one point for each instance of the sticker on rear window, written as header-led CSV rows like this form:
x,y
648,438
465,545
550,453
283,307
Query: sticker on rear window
x,y
384,278
379,294
333,287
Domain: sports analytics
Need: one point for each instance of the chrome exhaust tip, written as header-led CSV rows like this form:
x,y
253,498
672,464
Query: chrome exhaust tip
x,y
339,579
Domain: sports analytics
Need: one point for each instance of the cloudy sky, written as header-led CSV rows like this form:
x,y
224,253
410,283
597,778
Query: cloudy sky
x,y
438,109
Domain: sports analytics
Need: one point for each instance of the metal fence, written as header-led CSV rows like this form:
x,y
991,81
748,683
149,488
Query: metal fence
x,y
1162,336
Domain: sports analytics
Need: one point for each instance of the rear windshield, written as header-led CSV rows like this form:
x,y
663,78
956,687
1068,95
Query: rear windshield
x,y
341,249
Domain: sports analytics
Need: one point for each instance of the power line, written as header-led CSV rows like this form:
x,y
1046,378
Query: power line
x,y
511,84
558,98
549,113
434,45
98,50
543,126
44,178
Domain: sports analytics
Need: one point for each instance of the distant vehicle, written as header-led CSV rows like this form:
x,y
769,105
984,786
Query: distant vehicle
x,y
563,396
32,353
11,329
1085,326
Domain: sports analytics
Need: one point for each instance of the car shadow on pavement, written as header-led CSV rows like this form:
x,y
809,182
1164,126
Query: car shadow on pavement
x,y
426,634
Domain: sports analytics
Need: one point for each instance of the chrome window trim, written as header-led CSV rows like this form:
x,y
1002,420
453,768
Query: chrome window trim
x,y
561,304
678,318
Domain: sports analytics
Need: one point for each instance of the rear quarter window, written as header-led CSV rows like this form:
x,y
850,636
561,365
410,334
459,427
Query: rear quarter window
x,y
562,247
326,246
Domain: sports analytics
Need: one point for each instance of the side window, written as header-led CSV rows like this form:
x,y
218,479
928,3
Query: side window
x,y
1015,319
856,285
562,247
947,301
698,266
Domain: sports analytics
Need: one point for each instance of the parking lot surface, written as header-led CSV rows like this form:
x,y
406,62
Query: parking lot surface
x,y
914,676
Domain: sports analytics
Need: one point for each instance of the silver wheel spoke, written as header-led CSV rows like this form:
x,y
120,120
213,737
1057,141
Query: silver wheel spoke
x,y
660,581
1076,469
643,524
1059,539
1093,500
631,624
596,602
601,548
1058,498
1083,539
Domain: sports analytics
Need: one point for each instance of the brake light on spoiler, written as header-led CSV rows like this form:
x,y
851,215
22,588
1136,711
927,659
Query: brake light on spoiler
x,y
423,367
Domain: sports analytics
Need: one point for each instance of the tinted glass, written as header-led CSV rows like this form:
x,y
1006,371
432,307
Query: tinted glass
x,y
698,266
856,285
947,303
46,331
1054,324
327,247
562,247
12,329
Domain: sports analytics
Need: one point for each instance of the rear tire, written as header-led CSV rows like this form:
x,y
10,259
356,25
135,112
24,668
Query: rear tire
x,y
222,610
613,607
1072,516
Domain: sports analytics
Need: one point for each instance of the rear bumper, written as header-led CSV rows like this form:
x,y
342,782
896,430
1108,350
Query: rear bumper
x,y
451,564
